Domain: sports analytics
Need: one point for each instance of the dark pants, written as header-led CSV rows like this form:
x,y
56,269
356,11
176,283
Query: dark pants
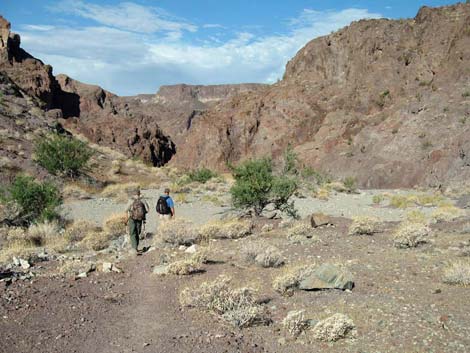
x,y
135,227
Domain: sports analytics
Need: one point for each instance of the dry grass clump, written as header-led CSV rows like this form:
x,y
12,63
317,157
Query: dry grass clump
x,y
73,191
177,232
447,213
120,192
458,273
96,240
263,255
185,267
299,231
295,322
322,194
115,225
410,235
363,225
24,243
226,229
405,201
236,306
79,230
334,328
289,281
416,216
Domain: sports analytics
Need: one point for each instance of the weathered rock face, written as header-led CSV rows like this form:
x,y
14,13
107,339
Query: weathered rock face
x,y
384,101
105,119
30,74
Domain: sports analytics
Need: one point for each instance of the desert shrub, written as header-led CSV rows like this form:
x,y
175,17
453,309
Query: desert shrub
x,y
115,225
96,240
295,322
263,255
184,267
363,226
256,186
416,216
350,184
447,213
334,328
458,273
62,155
74,191
299,231
289,281
201,175
289,161
378,199
226,229
400,201
236,306
37,201
78,230
120,192
177,232
24,243
410,235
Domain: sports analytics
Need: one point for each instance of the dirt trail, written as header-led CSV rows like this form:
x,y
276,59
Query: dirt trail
x,y
112,313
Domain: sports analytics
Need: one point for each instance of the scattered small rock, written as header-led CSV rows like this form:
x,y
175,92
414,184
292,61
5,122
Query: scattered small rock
x,y
192,249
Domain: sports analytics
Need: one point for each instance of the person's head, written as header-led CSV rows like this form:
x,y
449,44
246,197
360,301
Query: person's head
x,y
167,191
137,193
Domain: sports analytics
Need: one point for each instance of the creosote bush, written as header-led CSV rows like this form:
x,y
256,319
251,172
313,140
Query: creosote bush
x,y
37,201
62,155
236,306
115,225
295,322
334,328
256,187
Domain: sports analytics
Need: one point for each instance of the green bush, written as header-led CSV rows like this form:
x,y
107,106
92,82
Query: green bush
x,y
62,155
201,175
290,161
256,186
350,184
37,201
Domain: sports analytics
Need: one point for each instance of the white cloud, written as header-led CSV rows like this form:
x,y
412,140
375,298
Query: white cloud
x,y
127,62
127,16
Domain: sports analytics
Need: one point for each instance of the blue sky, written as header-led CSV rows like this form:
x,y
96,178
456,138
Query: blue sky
x,y
131,47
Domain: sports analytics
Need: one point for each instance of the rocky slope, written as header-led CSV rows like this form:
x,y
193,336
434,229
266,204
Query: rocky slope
x,y
385,101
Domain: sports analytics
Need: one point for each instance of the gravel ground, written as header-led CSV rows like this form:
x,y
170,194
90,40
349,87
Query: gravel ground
x,y
200,212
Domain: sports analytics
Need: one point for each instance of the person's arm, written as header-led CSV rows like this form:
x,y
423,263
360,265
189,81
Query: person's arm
x,y
171,204
172,212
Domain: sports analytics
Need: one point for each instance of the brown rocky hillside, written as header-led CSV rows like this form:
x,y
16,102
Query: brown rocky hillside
x,y
385,101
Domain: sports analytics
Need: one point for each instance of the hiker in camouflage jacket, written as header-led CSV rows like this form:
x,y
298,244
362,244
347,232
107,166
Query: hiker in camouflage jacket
x,y
137,208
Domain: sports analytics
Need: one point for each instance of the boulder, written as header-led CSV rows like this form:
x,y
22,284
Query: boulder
x,y
327,276
192,249
319,220
160,270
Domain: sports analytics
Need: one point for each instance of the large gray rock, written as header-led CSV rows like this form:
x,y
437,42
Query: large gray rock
x,y
327,276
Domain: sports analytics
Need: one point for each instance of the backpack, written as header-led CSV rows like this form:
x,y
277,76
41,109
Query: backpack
x,y
162,206
138,210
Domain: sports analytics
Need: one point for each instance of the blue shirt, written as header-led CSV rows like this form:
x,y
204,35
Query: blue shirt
x,y
169,201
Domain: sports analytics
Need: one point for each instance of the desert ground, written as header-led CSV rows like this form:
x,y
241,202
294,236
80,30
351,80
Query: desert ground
x,y
112,301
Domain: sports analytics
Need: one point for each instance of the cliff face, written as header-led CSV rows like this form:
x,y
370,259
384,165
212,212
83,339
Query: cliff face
x,y
385,101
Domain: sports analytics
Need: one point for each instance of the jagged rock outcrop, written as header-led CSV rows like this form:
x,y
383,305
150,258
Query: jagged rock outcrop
x,y
385,101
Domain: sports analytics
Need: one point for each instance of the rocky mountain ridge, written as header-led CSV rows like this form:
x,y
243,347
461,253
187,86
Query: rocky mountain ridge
x,y
384,101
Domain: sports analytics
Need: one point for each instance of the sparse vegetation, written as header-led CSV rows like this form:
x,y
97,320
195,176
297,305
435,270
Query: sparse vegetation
x,y
37,201
350,184
334,328
410,235
201,175
289,281
236,306
447,213
178,232
295,322
458,273
62,155
226,229
115,225
263,255
299,232
363,226
256,187
185,267
290,161
378,199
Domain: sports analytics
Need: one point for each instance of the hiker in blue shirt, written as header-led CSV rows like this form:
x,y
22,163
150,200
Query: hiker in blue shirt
x,y
166,206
